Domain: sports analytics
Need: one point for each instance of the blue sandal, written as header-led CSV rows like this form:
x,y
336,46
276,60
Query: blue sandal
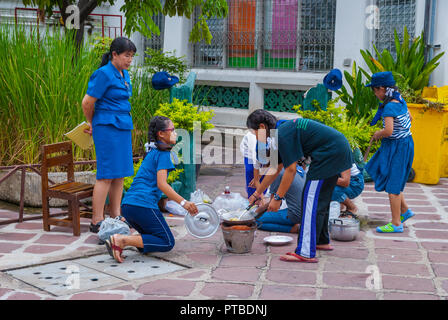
x,y
390,228
407,215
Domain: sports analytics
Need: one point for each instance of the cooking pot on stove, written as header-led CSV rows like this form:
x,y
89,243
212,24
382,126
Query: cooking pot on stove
x,y
239,217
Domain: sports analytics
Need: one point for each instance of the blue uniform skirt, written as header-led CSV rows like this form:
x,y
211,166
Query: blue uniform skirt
x,y
390,166
113,149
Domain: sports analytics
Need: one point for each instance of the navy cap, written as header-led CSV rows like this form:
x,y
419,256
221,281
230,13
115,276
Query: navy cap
x,y
163,80
382,79
333,80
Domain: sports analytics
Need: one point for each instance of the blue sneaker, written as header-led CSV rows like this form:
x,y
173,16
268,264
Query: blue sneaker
x,y
390,228
407,215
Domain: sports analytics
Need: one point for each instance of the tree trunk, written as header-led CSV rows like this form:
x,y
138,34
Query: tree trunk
x,y
85,8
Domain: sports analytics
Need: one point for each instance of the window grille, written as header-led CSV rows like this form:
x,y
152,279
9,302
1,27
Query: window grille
x,y
394,14
272,35
156,41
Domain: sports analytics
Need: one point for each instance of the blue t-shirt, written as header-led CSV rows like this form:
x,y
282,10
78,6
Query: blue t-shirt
x,y
144,191
402,119
113,92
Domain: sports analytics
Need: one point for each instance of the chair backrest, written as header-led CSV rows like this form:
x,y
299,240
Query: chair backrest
x,y
319,93
63,158
184,91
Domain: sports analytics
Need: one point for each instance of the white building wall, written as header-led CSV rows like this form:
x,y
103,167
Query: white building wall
x,y
440,75
177,33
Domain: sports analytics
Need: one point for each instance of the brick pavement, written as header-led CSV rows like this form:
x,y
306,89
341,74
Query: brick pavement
x,y
412,265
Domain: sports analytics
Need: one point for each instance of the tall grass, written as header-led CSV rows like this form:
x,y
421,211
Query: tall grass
x,y
145,101
42,84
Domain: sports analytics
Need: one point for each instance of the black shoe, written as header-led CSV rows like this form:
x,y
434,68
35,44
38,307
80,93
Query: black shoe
x,y
95,227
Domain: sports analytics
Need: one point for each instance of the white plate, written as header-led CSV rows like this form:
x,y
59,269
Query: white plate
x,y
277,240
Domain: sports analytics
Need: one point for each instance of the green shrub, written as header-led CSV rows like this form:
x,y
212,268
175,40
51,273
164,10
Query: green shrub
x,y
157,60
184,114
357,131
409,62
360,102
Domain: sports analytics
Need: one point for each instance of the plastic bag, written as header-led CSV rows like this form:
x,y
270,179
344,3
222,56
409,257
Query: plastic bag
x,y
200,197
230,202
335,210
111,226
174,208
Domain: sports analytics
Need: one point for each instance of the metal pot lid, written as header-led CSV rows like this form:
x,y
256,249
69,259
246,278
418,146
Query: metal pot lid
x,y
205,223
344,222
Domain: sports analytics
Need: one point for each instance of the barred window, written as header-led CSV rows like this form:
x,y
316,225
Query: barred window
x,y
295,35
156,41
394,15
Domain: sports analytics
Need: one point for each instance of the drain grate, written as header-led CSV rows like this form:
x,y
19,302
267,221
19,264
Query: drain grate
x,y
136,266
69,277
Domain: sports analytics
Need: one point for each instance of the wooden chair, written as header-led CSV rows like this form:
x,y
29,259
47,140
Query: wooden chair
x,y
68,190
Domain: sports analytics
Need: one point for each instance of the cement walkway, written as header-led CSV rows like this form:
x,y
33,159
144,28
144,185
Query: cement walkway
x,y
412,265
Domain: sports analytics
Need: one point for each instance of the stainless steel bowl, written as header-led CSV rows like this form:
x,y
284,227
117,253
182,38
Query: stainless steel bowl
x,y
344,229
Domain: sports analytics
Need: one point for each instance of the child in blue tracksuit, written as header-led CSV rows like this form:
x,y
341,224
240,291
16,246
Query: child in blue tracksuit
x,y
391,164
140,204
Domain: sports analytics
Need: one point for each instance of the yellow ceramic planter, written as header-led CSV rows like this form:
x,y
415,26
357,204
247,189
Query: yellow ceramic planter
x,y
430,133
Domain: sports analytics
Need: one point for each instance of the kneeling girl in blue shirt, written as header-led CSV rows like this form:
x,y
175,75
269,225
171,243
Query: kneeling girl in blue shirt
x,y
140,204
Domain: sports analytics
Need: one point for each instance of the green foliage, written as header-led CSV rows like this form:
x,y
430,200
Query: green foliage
x,y
42,89
157,60
139,13
360,100
172,176
101,45
184,114
357,131
409,61
144,102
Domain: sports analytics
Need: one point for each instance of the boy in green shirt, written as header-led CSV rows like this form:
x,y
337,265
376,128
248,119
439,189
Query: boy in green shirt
x,y
330,155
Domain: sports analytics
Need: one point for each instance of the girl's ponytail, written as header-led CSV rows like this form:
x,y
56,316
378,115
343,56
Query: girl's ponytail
x,y
105,59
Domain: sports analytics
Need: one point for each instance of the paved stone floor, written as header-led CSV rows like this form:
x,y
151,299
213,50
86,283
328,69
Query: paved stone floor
x,y
412,265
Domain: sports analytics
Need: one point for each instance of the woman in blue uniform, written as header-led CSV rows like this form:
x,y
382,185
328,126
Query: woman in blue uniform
x,y
107,110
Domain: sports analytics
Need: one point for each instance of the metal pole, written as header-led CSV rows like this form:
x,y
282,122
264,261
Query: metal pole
x,y
298,37
22,194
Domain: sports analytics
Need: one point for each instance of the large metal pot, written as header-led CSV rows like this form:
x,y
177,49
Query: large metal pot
x,y
344,229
